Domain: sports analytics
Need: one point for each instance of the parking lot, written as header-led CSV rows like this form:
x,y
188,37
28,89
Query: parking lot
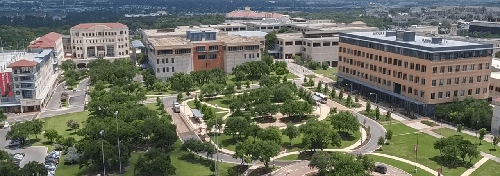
x,y
33,153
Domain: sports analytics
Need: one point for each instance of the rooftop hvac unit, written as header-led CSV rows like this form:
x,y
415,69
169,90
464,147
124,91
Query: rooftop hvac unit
x,y
390,33
407,36
437,40
188,34
210,35
195,36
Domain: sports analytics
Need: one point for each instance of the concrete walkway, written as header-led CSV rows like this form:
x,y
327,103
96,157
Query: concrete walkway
x,y
473,168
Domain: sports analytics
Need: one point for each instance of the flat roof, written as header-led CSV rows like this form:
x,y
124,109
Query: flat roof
x,y
137,44
197,113
168,41
418,43
249,33
221,37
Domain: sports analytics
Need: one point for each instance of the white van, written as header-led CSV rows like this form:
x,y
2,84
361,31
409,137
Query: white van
x,y
176,106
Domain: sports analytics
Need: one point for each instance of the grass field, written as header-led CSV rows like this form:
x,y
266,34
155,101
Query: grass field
x,y
220,102
400,165
485,146
489,168
399,128
327,73
403,147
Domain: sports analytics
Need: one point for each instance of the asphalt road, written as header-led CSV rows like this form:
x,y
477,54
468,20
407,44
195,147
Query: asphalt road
x,y
33,153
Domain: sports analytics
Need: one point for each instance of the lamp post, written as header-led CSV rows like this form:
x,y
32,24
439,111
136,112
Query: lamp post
x,y
102,147
216,136
118,134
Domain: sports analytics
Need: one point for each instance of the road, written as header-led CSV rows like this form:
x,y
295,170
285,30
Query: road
x,y
33,153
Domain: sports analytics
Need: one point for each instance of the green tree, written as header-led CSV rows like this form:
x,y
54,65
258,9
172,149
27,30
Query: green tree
x,y
236,126
344,120
50,134
266,150
323,161
291,131
68,64
333,94
230,88
179,97
2,115
482,133
495,141
341,94
242,151
348,100
368,106
318,135
270,134
34,168
6,165
181,82
460,127
389,115
325,90
149,78
381,140
388,135
325,65
247,83
377,113
154,162
356,99
318,89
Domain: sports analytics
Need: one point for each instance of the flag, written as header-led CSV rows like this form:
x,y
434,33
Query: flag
x,y
415,148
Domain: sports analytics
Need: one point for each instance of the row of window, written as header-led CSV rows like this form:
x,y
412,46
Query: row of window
x,y
394,73
415,52
204,56
390,61
447,94
471,67
177,51
163,61
309,43
165,69
91,34
457,80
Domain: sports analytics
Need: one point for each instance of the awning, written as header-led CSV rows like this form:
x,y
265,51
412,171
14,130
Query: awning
x,y
381,90
196,113
137,44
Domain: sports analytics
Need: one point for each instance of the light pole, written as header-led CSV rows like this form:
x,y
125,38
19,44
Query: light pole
x,y
216,136
118,134
102,147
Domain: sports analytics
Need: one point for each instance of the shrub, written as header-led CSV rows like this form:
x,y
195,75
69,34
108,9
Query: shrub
x,y
72,156
428,123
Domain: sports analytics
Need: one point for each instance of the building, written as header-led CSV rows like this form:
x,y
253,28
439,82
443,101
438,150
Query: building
x,y
424,30
485,26
94,40
249,15
27,80
414,72
186,49
319,45
49,41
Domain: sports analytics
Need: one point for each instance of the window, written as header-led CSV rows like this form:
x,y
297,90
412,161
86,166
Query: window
x,y
434,69
447,94
448,82
485,90
324,43
450,69
157,61
166,60
424,68
422,94
421,82
235,48
440,95
441,82
487,66
433,95
441,70
405,64
479,66
455,93
457,68
168,68
462,92
172,60
412,66
213,48
200,57
157,70
417,67
472,67
486,77
457,80
316,44
478,91
163,69
173,69
478,79
469,92
200,48
212,56
464,80
411,78
464,68
410,90
471,79
433,83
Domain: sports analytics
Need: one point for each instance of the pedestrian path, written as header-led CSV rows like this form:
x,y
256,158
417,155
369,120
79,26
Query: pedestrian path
x,y
477,165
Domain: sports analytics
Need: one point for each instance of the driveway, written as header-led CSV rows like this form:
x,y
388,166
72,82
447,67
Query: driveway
x,y
33,153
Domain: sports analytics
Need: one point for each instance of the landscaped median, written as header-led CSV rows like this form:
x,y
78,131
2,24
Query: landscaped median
x,y
489,168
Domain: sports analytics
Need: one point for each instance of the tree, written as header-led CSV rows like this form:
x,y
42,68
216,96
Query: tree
x,y
247,83
348,100
291,131
318,89
333,94
377,113
388,135
344,120
323,161
242,150
230,88
495,141
236,126
212,122
325,90
149,78
341,94
270,134
482,132
253,130
68,64
154,162
50,134
179,97
34,168
356,98
388,115
284,79
6,165
181,82
454,146
72,124
161,86
325,65
381,140
460,128
468,112
368,106
317,135
2,115
266,150
368,164
298,59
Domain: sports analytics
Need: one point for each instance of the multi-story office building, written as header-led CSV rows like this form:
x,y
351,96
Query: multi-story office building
x,y
187,49
49,41
485,26
414,72
94,40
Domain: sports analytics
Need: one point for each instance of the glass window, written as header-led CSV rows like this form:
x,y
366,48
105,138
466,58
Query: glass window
x,y
447,94
472,67
462,92
464,79
433,83
457,68
455,93
433,95
440,94
471,79
450,69
441,82
478,79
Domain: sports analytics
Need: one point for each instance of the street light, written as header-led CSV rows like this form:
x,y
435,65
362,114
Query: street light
x,y
118,134
102,147
216,136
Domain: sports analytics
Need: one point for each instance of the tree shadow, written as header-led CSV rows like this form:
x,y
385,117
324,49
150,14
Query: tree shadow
x,y
346,136
68,129
451,162
305,155
195,159
265,119
493,150
294,119
260,171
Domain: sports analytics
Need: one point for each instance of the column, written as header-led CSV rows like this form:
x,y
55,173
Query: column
x,y
95,51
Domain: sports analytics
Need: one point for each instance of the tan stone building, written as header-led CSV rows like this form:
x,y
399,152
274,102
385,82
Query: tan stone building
x,y
94,40
414,72
186,49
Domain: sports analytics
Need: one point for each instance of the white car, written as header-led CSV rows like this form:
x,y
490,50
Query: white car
x,y
6,125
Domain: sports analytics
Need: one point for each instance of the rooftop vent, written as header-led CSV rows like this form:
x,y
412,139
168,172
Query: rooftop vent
x,y
437,40
390,33
407,36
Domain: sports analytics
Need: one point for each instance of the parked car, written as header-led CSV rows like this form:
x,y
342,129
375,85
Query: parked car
x,y
381,169
6,125
17,158
176,107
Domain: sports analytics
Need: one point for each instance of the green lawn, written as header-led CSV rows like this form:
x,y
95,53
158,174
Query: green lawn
x,y
153,106
490,168
403,147
399,128
288,76
63,170
401,165
221,102
291,157
485,146
327,73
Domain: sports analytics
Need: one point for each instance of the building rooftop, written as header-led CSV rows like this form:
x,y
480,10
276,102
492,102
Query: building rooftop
x,y
249,13
23,63
288,36
249,33
90,25
421,42
47,41
168,41
237,37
